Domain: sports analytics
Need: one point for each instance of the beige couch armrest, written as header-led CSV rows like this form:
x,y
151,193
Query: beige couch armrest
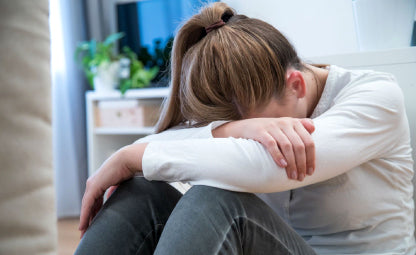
x,y
27,204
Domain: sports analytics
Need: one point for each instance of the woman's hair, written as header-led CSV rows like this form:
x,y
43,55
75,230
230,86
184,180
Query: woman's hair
x,y
227,72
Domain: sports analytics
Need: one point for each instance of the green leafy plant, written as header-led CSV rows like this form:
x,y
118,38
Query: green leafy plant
x,y
91,54
159,57
140,76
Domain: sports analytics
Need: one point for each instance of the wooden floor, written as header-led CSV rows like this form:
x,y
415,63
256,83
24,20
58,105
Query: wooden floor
x,y
68,236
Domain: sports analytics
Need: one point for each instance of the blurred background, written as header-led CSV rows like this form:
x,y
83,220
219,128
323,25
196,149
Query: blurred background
x,y
132,39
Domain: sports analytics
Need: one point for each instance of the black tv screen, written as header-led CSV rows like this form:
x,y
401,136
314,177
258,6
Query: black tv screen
x,y
149,27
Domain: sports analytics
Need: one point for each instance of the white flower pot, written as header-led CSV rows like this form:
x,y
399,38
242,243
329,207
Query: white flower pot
x,y
106,78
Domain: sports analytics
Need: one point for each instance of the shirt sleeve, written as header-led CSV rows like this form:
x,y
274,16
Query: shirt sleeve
x,y
360,126
181,133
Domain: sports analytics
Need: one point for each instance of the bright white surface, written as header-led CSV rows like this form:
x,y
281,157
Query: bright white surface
x,y
327,27
316,28
384,24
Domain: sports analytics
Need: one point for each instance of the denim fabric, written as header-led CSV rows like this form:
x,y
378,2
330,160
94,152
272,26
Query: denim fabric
x,y
142,216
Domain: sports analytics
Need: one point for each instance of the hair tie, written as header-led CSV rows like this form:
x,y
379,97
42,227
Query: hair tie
x,y
216,25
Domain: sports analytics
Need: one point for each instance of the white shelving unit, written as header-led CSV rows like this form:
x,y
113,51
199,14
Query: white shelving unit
x,y
103,141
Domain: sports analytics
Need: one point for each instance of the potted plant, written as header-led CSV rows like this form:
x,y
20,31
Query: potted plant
x,y
139,76
106,70
99,62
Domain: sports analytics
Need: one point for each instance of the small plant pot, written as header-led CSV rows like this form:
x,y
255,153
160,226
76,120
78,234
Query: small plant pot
x,y
106,78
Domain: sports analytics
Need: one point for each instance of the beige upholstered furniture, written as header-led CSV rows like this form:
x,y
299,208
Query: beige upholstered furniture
x,y
27,210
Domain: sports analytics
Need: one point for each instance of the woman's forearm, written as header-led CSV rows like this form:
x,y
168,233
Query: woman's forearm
x,y
245,165
133,155
288,140
341,141
227,163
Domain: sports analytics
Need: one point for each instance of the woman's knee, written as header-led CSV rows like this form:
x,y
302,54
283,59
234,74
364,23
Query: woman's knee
x,y
203,193
210,200
140,186
131,219
204,217
135,194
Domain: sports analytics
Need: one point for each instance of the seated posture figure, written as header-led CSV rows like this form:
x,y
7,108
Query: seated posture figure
x,y
326,150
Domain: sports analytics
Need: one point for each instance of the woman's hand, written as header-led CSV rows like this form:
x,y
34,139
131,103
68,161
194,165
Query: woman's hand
x,y
121,166
288,140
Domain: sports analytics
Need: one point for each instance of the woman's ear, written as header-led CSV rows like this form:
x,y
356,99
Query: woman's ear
x,y
296,84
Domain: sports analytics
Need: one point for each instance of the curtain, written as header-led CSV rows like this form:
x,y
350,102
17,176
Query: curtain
x,y
67,23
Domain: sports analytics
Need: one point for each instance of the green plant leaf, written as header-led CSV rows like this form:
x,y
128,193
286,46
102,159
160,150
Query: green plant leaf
x,y
125,85
92,54
135,66
81,47
129,53
93,47
90,77
153,72
112,38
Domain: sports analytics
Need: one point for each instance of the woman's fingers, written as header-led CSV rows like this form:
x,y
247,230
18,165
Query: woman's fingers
x,y
308,125
288,141
88,215
286,147
110,191
85,211
298,150
270,143
309,147
91,204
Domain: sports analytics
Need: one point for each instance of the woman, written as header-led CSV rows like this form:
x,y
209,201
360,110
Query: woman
x,y
345,189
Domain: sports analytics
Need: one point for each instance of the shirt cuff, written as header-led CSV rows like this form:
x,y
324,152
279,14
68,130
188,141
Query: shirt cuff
x,y
149,161
213,125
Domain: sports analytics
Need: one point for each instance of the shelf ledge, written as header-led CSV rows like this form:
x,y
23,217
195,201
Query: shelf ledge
x,y
124,131
145,93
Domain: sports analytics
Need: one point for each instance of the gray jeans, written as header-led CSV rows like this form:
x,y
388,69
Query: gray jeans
x,y
143,217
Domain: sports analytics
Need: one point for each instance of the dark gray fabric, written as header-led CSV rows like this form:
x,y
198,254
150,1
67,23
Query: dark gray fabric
x,y
206,220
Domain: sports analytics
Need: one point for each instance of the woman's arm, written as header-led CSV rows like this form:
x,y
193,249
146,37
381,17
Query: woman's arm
x,y
181,133
360,126
121,166
288,140
127,162
294,133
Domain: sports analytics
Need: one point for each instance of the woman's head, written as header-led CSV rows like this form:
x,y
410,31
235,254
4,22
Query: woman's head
x,y
229,71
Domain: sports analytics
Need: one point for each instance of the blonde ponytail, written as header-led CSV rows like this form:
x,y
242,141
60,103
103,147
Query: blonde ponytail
x,y
221,75
188,35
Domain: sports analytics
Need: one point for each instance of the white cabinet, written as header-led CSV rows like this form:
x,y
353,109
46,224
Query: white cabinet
x,y
103,141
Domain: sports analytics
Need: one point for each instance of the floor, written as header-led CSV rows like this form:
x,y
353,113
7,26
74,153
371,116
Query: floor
x,y
68,236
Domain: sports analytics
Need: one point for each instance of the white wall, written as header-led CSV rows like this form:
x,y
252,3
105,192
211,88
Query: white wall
x,y
330,27
319,27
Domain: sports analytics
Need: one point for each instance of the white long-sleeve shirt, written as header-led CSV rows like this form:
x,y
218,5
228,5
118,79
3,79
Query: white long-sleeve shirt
x,y
360,198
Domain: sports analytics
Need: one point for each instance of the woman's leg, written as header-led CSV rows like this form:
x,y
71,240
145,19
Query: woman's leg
x,y
213,221
132,219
